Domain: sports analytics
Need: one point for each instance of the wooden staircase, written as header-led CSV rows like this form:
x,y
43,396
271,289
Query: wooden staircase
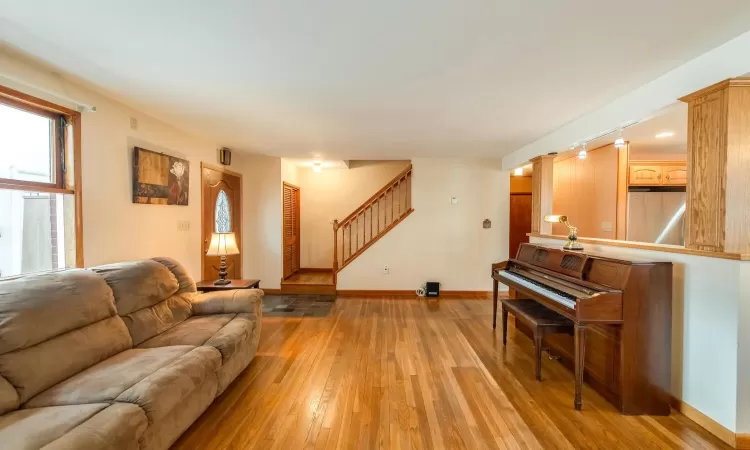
x,y
371,221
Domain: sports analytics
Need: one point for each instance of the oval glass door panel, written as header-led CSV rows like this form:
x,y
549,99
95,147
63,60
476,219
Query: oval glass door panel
x,y
222,216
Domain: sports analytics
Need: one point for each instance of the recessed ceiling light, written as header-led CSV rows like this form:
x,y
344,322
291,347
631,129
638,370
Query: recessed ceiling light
x,y
518,172
664,134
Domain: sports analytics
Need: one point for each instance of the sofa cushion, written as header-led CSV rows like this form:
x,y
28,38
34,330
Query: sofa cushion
x,y
184,280
36,308
9,399
37,427
110,378
52,326
230,339
34,369
138,284
194,331
149,322
118,427
162,391
149,295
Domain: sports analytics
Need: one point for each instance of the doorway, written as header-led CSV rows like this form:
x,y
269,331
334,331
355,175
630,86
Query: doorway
x,y
291,240
221,211
520,213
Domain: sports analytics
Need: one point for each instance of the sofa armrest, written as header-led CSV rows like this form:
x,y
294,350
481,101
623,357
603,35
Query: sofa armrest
x,y
227,302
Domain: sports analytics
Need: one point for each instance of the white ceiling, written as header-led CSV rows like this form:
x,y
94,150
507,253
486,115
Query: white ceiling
x,y
356,79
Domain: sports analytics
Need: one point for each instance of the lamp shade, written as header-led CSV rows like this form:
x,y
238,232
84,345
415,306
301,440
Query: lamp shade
x,y
223,244
555,219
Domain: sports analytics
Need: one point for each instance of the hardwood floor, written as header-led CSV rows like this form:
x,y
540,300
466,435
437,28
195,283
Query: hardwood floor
x,y
398,373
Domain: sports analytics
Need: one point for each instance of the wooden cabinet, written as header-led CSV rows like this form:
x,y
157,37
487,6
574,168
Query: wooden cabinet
x,y
657,173
674,175
641,175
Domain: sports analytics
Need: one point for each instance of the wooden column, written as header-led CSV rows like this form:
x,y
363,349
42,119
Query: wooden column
x,y
622,193
718,189
541,193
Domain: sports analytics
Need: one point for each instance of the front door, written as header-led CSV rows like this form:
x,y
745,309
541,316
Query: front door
x,y
291,230
222,212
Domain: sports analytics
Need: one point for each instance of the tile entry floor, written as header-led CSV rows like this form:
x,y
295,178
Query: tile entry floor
x,y
298,305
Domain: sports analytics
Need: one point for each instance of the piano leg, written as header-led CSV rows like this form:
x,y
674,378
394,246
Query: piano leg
x,y
494,304
538,353
580,355
504,313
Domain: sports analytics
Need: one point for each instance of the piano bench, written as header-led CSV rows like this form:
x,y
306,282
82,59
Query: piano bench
x,y
540,319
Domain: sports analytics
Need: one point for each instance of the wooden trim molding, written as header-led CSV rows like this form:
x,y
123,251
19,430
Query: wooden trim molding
x,y
708,423
743,81
742,441
405,293
648,246
220,168
541,192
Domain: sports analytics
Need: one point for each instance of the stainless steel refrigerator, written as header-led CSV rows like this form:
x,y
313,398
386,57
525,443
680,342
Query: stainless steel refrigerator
x,y
656,214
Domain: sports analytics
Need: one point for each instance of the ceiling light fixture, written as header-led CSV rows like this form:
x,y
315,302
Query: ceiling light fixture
x,y
620,141
317,166
583,153
518,171
664,134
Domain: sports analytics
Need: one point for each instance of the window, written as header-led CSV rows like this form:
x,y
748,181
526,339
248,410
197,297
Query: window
x,y
223,219
39,194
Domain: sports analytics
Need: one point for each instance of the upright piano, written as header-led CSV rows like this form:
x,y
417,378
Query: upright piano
x,y
622,311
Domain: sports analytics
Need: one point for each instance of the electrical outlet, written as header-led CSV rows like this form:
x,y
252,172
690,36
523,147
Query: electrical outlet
x,y
133,123
386,270
183,225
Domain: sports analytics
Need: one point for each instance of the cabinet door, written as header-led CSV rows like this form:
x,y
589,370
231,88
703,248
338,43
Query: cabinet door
x,y
645,175
674,175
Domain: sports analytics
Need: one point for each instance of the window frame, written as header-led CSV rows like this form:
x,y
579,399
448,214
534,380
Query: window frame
x,y
66,181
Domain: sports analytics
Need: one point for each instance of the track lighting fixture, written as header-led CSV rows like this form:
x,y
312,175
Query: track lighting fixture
x,y
620,141
583,153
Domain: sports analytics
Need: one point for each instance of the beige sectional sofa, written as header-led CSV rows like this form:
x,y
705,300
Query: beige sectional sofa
x,y
122,356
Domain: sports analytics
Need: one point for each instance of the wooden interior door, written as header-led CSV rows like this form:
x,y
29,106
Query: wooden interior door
x,y
221,212
520,221
291,230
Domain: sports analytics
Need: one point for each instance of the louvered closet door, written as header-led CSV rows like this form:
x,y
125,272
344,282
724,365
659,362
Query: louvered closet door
x,y
291,230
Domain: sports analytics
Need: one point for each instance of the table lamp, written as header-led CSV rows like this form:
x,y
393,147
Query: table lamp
x,y
222,244
572,243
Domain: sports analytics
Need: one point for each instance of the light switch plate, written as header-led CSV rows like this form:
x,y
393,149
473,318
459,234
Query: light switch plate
x,y
454,200
183,225
606,226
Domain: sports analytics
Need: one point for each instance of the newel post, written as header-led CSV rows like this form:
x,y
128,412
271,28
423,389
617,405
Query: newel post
x,y
335,249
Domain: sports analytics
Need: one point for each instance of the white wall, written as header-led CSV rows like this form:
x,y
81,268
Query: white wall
x,y
114,228
261,216
289,171
440,241
705,324
334,193
743,352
